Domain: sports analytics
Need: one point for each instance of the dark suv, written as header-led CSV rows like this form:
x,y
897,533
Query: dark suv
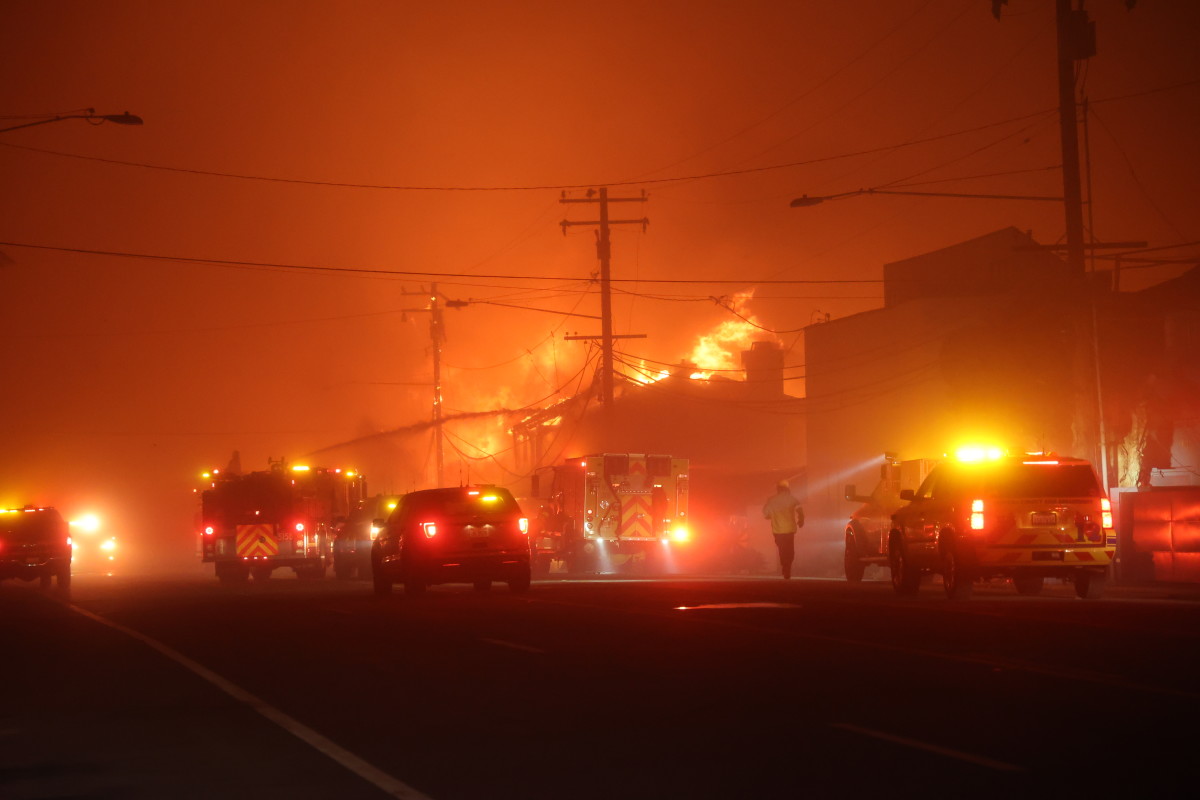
x,y
1026,519
469,534
35,543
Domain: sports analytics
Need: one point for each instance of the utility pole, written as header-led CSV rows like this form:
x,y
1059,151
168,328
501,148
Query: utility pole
x,y
604,251
1076,42
437,335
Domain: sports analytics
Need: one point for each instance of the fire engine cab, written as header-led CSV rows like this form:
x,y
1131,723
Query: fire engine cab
x,y
608,509
254,522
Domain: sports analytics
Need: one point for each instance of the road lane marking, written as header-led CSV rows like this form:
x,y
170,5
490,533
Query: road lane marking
x,y
368,772
514,646
931,748
737,605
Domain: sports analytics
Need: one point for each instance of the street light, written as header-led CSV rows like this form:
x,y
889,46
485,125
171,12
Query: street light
x,y
805,201
90,115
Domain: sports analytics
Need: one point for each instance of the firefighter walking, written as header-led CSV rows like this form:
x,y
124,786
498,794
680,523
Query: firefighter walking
x,y
786,516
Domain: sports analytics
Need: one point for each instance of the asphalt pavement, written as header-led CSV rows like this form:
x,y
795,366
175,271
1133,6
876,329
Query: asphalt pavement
x,y
698,687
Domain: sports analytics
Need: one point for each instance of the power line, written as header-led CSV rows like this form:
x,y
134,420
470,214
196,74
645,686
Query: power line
x,y
412,273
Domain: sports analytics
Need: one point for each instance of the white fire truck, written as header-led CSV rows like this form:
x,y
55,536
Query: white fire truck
x,y
604,510
281,517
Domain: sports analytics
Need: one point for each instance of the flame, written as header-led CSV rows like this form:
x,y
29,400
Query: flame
x,y
645,374
719,348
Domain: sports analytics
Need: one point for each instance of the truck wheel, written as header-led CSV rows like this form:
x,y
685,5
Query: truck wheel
x,y
1089,585
232,574
955,579
1028,584
854,567
906,579
483,584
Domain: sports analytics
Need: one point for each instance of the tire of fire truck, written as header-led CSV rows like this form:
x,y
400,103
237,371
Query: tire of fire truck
x,y
956,577
854,567
519,584
906,579
1089,585
261,573
483,584
1025,583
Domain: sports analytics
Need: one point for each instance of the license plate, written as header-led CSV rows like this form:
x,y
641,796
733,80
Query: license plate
x,y
1044,519
1050,555
481,532
33,561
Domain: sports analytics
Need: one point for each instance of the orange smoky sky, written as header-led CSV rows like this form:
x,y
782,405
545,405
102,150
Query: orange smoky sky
x,y
307,169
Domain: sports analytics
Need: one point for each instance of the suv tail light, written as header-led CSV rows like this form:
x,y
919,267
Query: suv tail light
x,y
523,524
430,529
977,515
1106,519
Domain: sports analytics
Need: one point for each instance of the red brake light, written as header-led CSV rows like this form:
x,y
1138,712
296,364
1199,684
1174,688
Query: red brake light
x,y
430,529
523,524
977,515
300,527
1106,518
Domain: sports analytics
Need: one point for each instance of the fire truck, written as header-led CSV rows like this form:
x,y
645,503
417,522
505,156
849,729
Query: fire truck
x,y
608,509
251,523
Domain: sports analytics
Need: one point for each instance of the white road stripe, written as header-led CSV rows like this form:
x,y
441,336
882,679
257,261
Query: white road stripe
x,y
931,748
368,772
514,646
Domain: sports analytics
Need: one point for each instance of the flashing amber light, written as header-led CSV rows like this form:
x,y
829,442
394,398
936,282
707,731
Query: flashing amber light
x,y
206,475
583,463
976,515
472,492
88,523
1106,518
392,505
375,531
489,498
301,468
1049,462
109,545
681,533
523,525
973,454
430,529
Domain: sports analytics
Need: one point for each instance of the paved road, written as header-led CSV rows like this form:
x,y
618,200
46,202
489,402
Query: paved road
x,y
591,689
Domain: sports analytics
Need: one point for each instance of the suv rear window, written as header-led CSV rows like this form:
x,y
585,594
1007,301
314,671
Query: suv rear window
x,y
460,503
1013,481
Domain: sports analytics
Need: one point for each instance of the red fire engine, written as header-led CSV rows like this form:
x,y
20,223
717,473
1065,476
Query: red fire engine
x,y
252,523
609,508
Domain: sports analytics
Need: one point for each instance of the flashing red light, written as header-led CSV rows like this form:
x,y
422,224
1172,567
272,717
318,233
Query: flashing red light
x,y
209,530
430,529
300,527
523,524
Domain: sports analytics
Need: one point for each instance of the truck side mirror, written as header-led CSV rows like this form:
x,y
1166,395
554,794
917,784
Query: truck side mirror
x,y
906,494
850,494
